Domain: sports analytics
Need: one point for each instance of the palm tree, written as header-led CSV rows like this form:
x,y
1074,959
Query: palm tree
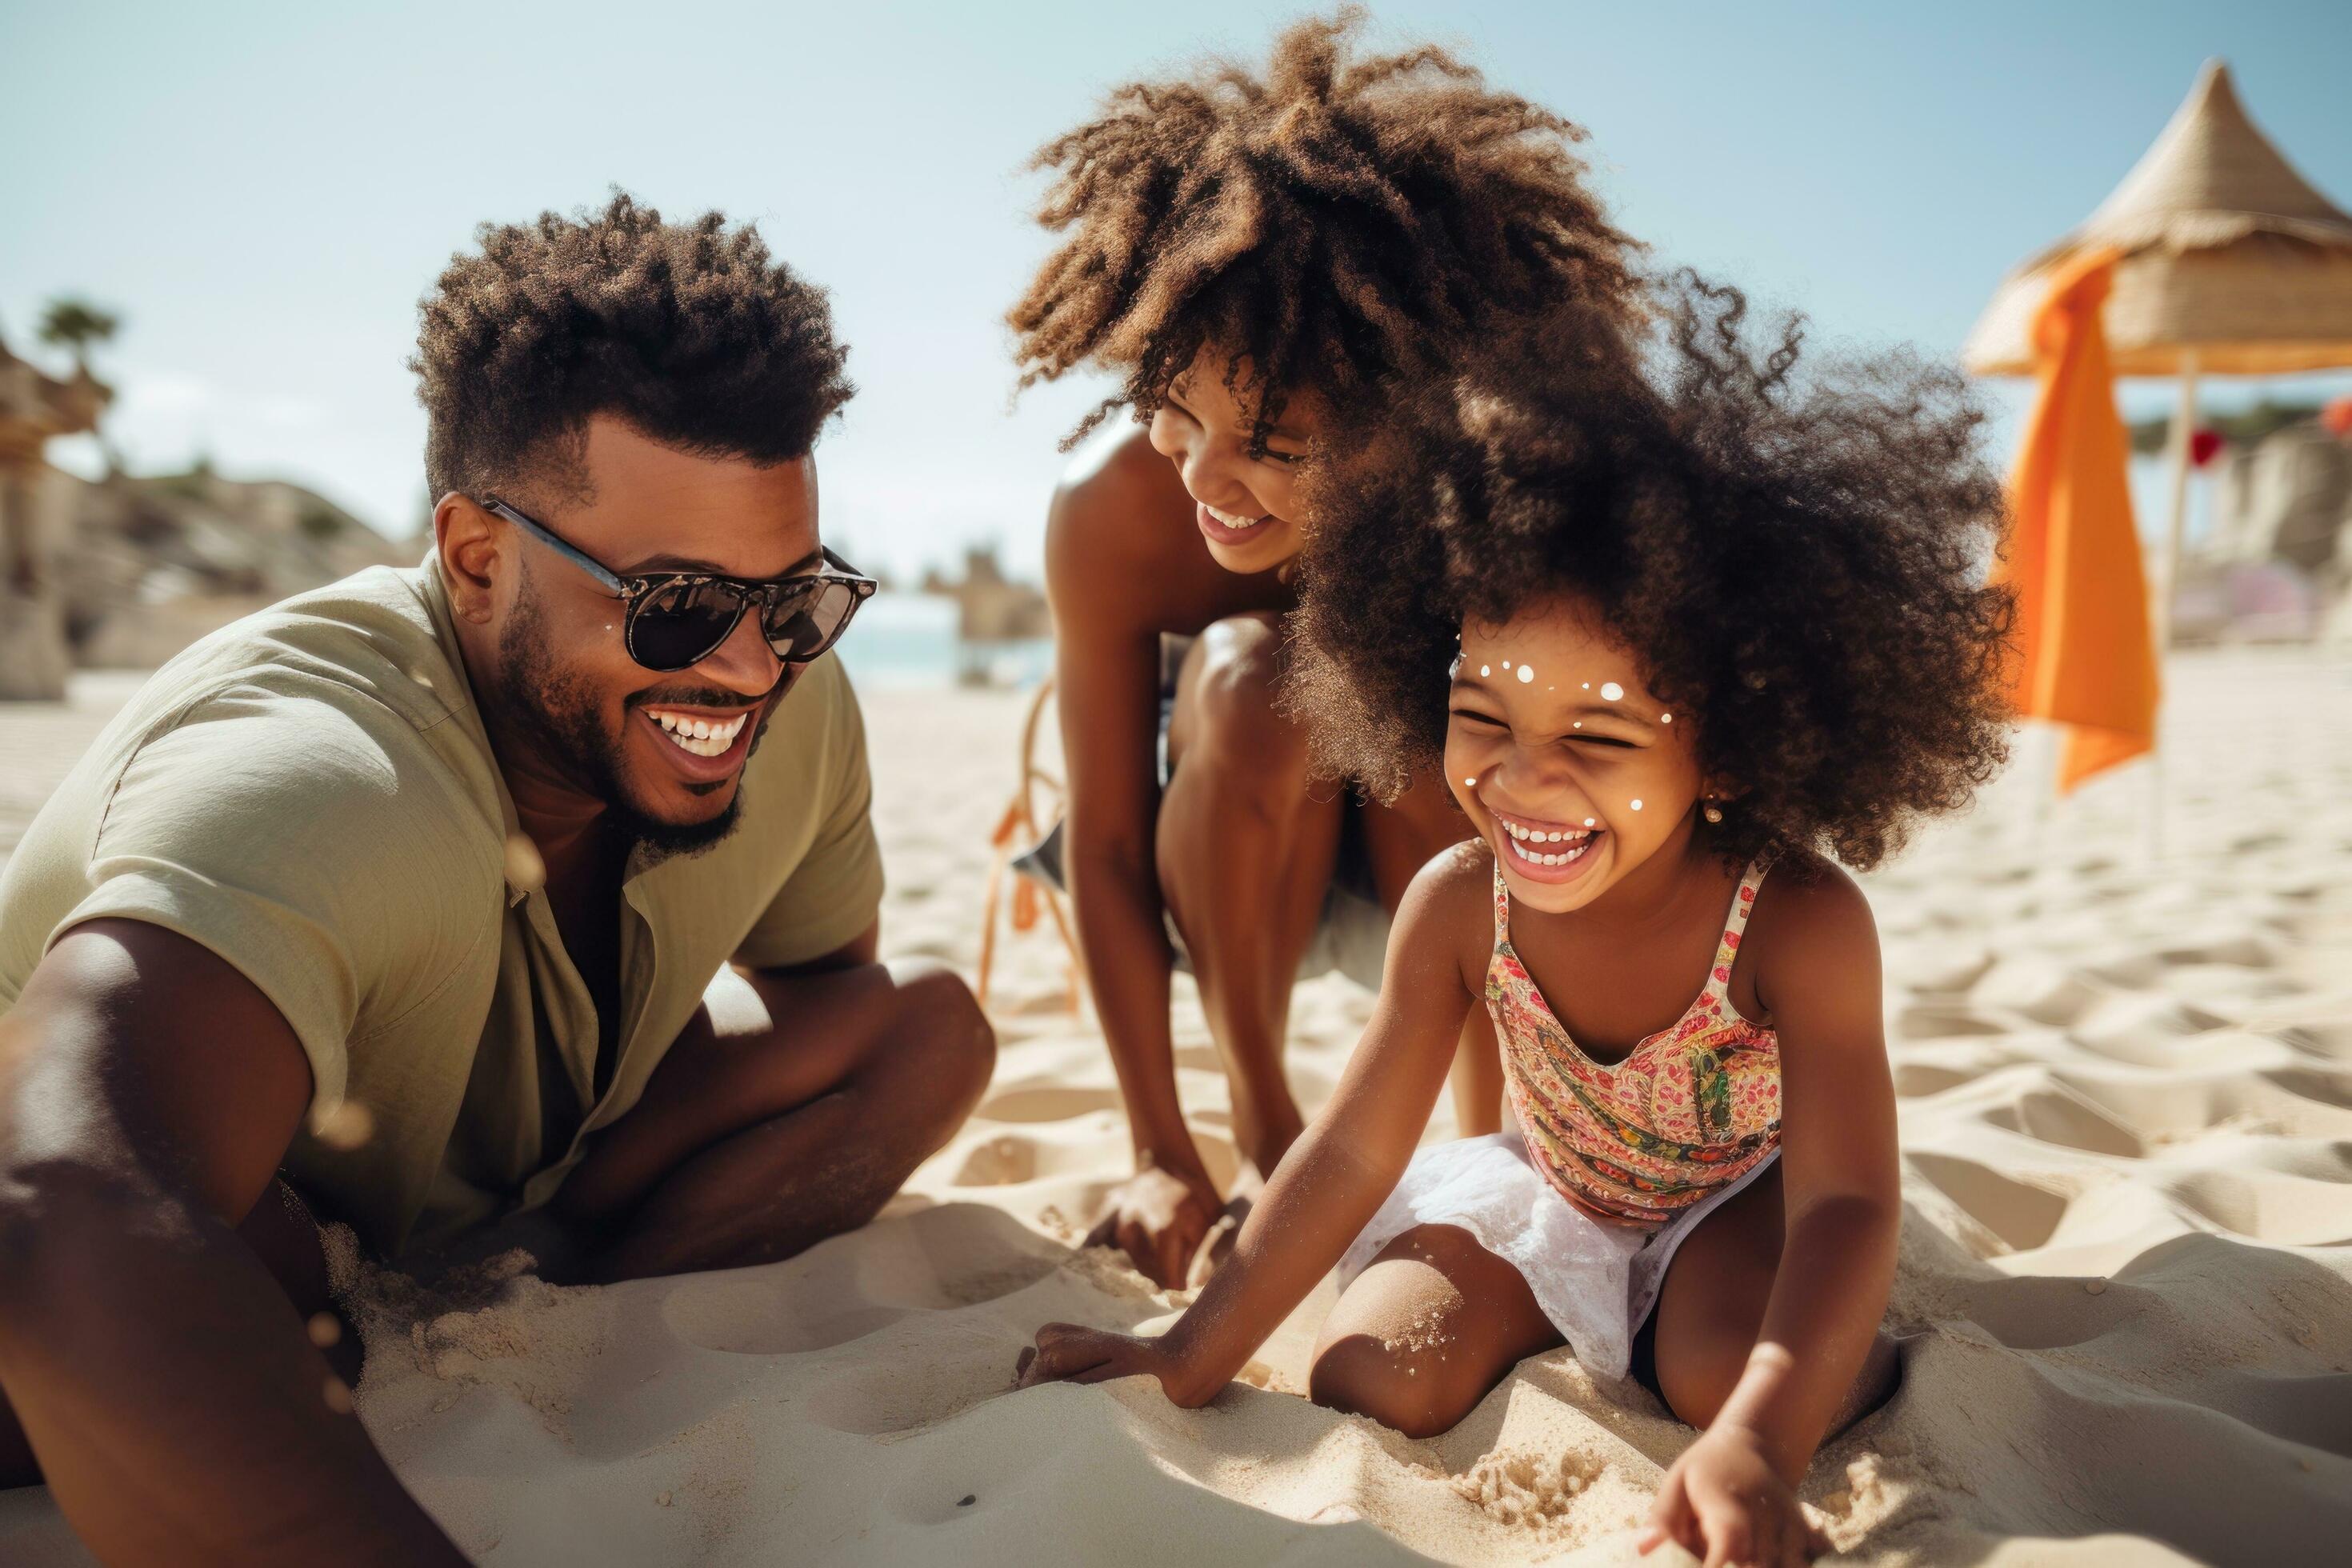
x,y
79,325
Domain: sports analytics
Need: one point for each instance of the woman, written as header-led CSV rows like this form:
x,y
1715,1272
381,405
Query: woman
x,y
1255,255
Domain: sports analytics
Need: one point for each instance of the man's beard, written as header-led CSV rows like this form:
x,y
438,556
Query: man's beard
x,y
554,712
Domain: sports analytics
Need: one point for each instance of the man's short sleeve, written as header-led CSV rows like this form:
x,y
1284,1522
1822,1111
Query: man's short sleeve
x,y
835,892
315,845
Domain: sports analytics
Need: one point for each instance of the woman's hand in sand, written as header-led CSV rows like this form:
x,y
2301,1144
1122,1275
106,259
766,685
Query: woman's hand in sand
x,y
1072,1352
1723,1503
1159,1218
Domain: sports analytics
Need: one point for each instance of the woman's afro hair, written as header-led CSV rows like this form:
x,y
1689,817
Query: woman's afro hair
x,y
1333,222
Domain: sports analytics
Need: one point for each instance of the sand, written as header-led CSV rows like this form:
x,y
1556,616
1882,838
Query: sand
x,y
2125,1292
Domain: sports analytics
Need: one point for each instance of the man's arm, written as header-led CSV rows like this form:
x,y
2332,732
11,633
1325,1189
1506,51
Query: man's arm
x,y
148,1092
673,1118
866,947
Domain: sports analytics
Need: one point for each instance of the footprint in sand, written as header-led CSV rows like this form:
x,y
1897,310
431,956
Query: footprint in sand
x,y
2300,1103
930,1382
1945,1021
1045,1102
934,1259
2044,991
2019,1217
748,1316
1915,1080
2055,1114
2042,1312
1001,1162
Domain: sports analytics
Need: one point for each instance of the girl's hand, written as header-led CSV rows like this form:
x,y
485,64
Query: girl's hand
x,y
1723,1502
1070,1352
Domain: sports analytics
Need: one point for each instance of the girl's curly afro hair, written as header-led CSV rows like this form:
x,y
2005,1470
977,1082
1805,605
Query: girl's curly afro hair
x,y
1333,222
1798,563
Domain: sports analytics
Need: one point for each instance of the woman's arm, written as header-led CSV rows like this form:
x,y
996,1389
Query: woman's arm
x,y
1333,1179
1733,1490
1107,671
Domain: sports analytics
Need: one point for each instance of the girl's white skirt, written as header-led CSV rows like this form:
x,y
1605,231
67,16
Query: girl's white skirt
x,y
1596,1281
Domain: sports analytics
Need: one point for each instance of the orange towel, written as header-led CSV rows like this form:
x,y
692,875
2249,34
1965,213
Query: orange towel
x,y
2085,658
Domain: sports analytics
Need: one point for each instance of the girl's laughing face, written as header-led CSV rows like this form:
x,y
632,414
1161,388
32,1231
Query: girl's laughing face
x,y
1567,764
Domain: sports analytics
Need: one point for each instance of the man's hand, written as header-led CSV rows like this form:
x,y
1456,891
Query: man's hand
x,y
1723,1503
1070,1352
1159,1218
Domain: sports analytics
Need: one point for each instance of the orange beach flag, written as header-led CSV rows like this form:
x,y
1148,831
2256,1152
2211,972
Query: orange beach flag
x,y
2084,654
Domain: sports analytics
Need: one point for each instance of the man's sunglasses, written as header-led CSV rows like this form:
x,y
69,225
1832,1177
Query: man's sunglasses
x,y
678,618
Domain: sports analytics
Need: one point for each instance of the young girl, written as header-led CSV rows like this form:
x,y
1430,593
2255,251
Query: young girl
x,y
1252,251
1706,631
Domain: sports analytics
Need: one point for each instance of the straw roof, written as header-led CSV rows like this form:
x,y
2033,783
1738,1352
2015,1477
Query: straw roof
x,y
2226,249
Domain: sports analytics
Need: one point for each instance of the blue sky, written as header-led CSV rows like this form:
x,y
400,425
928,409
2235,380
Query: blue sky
x,y
264,191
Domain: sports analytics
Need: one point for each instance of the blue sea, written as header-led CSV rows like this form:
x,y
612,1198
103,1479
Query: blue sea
x,y
907,641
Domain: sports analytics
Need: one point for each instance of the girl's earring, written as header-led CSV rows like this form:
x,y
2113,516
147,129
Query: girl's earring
x,y
1712,812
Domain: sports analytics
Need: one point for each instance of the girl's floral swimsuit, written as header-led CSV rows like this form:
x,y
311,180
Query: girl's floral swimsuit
x,y
1690,1110
1610,1164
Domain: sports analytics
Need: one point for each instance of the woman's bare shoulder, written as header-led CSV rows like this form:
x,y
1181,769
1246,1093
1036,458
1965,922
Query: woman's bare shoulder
x,y
1108,502
1120,547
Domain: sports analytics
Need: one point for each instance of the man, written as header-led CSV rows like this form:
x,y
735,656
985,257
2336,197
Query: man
x,y
399,900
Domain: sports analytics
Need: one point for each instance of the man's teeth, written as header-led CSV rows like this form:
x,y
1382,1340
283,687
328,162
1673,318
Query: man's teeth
x,y
1579,839
1230,521
703,737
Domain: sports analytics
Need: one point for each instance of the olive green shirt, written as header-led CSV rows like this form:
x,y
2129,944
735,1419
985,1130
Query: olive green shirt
x,y
311,795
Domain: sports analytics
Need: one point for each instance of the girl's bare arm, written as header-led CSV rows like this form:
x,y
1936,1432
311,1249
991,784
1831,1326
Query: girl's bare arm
x,y
1334,1178
1841,1175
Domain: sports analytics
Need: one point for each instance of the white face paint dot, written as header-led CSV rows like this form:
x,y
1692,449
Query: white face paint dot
x,y
1666,718
1611,692
1527,673
1485,669
1587,821
1637,806
1470,783
1578,725
1506,664
1588,686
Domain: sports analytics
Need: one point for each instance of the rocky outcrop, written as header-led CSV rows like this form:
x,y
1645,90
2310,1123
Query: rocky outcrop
x,y
147,565
994,613
35,407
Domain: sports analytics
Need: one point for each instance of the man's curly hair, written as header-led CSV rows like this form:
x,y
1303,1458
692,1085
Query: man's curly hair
x,y
1798,563
1335,222
688,332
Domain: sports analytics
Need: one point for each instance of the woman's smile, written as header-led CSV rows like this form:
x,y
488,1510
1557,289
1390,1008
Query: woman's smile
x,y
1229,528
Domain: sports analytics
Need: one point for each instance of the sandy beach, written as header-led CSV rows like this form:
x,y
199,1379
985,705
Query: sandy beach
x,y
2125,1291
